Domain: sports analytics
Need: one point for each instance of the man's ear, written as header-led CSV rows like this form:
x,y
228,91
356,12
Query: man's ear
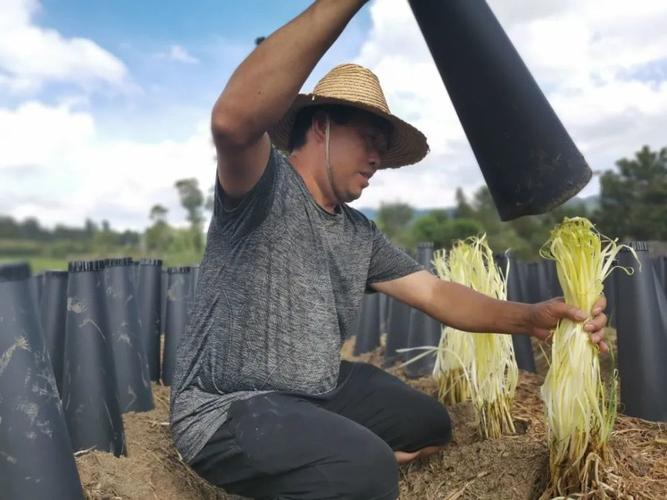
x,y
318,126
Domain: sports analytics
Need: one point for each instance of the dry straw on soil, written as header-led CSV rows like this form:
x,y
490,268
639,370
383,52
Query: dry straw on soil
x,y
468,468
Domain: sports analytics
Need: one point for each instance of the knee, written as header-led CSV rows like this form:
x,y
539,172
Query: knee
x,y
433,427
373,474
441,425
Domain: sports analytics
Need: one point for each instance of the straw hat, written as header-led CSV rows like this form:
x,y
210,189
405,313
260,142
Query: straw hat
x,y
355,86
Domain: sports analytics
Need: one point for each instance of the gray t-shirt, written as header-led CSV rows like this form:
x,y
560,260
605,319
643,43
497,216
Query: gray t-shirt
x,y
280,286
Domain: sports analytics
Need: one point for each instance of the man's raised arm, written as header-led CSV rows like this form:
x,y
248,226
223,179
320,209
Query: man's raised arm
x,y
263,87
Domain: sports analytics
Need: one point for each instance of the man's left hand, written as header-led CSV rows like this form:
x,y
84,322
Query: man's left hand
x,y
544,317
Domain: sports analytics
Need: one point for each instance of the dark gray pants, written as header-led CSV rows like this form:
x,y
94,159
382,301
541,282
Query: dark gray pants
x,y
340,445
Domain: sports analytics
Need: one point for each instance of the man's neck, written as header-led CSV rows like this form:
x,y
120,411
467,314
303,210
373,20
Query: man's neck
x,y
316,180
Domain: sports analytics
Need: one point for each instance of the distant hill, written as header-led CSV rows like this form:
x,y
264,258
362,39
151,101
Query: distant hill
x,y
590,202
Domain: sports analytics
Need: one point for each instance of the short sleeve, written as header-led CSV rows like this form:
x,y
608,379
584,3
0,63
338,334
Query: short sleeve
x,y
249,212
387,261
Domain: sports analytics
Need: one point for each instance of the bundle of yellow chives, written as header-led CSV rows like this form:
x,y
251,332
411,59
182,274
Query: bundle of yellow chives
x,y
580,414
494,374
455,352
481,366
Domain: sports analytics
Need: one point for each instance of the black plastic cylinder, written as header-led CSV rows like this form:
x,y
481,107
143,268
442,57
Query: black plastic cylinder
x,y
423,330
36,287
398,327
14,271
368,332
163,313
523,349
150,314
36,458
53,312
549,283
89,393
132,379
609,290
641,325
532,285
529,162
179,298
660,266
384,312
195,276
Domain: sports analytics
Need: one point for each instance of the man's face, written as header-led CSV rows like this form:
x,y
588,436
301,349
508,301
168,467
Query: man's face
x,y
356,151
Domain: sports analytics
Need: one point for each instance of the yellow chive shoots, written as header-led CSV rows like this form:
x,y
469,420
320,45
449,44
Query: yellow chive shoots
x,y
455,349
491,373
580,414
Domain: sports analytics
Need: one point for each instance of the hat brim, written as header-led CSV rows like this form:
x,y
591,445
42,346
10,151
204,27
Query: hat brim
x,y
407,145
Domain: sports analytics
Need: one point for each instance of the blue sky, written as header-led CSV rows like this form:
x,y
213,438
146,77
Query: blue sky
x,y
105,104
166,93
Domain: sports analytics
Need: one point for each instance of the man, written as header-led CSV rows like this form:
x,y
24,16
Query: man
x,y
261,404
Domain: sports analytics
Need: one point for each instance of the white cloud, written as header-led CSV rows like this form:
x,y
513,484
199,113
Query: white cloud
x,y
31,56
585,57
56,166
179,54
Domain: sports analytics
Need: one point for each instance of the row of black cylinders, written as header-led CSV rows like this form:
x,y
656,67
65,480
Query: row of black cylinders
x,y
637,308
77,349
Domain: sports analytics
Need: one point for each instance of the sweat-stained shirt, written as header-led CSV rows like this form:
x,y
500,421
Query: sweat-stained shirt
x,y
280,287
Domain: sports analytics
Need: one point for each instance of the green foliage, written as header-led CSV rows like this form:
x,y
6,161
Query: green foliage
x,y
633,200
438,227
27,248
394,219
192,200
524,236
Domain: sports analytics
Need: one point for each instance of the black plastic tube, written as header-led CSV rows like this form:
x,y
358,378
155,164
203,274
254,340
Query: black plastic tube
x,y
53,311
523,349
660,266
398,327
551,285
36,458
609,290
14,271
89,394
179,297
195,277
423,330
528,160
163,313
384,313
368,332
132,379
36,286
641,326
150,314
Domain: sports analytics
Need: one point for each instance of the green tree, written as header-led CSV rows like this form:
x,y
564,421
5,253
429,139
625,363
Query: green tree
x,y
210,199
394,220
9,228
501,235
463,209
192,200
105,239
158,235
633,200
438,227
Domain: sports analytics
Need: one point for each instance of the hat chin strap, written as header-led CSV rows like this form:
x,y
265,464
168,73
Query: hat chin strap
x,y
327,160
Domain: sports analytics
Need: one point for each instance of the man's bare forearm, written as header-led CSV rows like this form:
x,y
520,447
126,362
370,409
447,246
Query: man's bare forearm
x,y
463,308
262,88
